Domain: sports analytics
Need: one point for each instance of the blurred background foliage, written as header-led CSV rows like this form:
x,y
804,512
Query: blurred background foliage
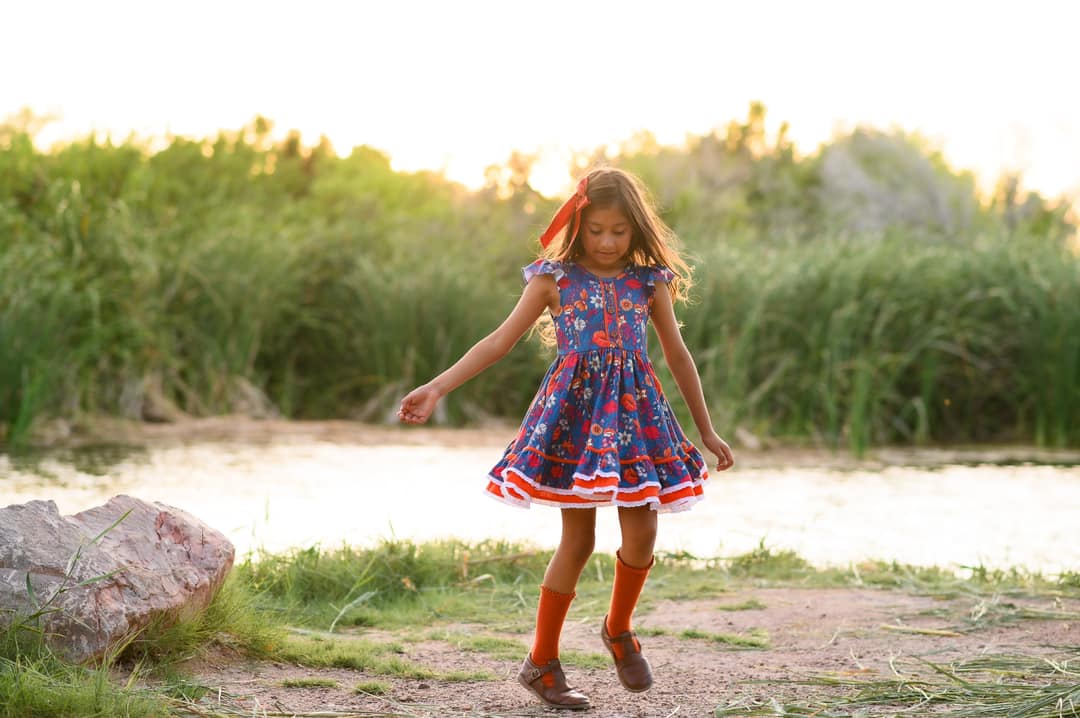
x,y
864,293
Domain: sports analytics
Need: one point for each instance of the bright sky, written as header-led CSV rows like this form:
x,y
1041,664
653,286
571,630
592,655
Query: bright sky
x,y
458,85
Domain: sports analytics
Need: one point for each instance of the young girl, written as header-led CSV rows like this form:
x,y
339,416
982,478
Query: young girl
x,y
600,431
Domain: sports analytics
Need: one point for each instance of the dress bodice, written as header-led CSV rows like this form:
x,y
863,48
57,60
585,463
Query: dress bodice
x,y
600,431
597,313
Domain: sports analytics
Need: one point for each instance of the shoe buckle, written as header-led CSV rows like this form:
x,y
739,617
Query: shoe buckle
x,y
535,671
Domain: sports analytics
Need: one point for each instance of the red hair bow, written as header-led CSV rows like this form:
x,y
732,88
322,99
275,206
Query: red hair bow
x,y
571,208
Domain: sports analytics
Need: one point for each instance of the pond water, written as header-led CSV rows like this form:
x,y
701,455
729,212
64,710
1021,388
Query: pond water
x,y
291,493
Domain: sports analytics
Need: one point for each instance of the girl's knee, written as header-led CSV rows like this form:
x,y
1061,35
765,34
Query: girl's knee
x,y
578,534
637,550
578,545
639,528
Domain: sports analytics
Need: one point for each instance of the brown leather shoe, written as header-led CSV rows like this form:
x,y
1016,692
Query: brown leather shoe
x,y
633,670
557,695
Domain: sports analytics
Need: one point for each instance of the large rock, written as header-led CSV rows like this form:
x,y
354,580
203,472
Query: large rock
x,y
157,561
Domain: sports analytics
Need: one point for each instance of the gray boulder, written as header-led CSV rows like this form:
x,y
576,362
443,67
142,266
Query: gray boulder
x,y
95,583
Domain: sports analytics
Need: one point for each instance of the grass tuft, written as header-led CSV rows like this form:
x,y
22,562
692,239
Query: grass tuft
x,y
468,676
355,653
750,604
754,639
374,688
767,563
584,659
45,687
494,646
309,683
232,620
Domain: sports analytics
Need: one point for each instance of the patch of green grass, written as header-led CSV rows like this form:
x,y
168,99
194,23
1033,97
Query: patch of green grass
x,y
468,676
494,646
45,687
183,688
775,565
509,607
756,638
232,619
584,659
355,653
309,683
750,604
319,590
390,570
174,684
679,583
374,688
398,584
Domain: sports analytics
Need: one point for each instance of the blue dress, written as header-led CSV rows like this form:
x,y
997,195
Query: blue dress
x,y
599,431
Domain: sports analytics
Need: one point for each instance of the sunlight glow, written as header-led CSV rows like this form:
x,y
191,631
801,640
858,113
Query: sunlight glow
x,y
988,83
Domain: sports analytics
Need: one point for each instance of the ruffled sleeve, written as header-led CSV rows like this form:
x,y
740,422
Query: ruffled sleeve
x,y
543,266
658,273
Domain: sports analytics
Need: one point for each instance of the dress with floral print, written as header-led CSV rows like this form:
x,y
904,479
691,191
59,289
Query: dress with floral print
x,y
600,431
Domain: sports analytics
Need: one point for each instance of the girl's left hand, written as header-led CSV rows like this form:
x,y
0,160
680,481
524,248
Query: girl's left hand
x,y
724,458
418,405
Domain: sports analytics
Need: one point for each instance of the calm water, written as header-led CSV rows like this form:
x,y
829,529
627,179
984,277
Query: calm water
x,y
295,493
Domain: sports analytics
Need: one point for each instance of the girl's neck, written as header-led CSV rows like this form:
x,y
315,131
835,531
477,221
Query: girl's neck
x,y
602,272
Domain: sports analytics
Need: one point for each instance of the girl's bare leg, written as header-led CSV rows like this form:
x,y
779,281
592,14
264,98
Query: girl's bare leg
x,y
556,594
575,548
638,525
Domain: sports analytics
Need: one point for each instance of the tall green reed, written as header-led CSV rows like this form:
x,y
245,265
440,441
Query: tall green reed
x,y
332,285
852,343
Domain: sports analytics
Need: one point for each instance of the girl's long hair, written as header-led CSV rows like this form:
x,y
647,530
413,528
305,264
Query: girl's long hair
x,y
652,241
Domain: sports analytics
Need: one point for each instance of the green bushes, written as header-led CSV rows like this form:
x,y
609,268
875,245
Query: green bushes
x,y
892,342
214,269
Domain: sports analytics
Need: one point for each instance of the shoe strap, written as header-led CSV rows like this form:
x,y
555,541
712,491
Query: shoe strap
x,y
629,641
534,671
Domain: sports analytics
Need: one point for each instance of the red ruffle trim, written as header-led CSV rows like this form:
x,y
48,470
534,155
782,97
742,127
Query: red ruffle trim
x,y
597,490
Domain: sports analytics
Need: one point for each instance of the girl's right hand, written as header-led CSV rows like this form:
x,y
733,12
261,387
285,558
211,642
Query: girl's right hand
x,y
724,458
418,404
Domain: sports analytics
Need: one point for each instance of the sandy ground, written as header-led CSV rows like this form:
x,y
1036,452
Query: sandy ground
x,y
851,633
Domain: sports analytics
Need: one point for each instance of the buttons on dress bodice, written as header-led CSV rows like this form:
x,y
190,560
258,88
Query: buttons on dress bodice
x,y
603,313
609,297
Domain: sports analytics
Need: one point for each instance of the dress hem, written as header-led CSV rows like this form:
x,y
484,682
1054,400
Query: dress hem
x,y
517,489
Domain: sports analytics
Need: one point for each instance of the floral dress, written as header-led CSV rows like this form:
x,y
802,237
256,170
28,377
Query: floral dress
x,y
600,431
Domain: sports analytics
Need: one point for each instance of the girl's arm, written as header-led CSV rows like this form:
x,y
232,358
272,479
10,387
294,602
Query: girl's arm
x,y
539,294
685,372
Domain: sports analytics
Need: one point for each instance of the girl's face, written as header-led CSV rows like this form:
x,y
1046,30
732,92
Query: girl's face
x,y
605,239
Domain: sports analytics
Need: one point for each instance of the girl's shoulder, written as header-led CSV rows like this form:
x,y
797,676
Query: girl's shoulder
x,y
656,273
544,266
653,273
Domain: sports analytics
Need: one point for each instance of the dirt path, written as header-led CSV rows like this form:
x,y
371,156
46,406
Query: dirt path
x,y
845,632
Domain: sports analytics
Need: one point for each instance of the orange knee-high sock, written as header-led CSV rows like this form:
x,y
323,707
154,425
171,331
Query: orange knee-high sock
x,y
624,597
550,615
